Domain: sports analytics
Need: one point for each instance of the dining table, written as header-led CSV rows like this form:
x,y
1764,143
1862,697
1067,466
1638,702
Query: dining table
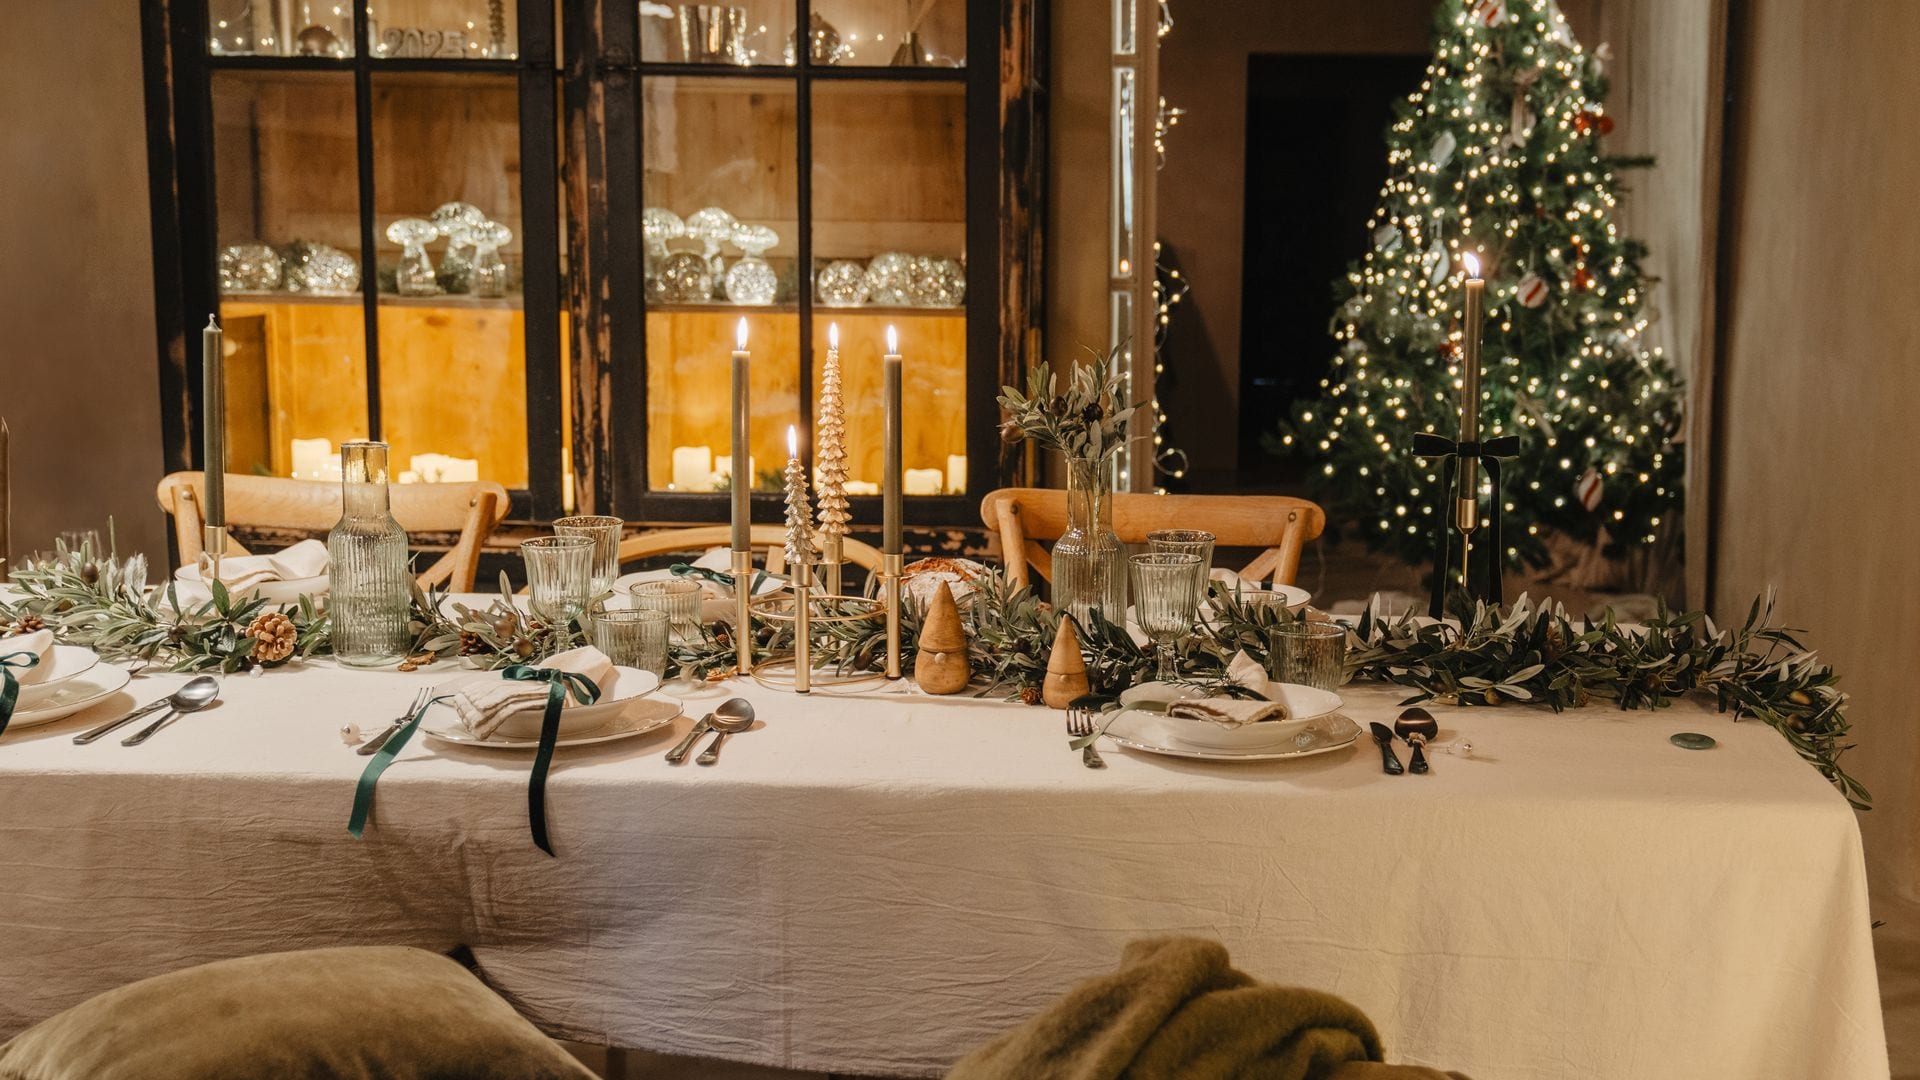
x,y
874,881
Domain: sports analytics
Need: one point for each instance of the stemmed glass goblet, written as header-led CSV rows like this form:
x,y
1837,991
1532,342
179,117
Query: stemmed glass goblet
x,y
1166,600
559,576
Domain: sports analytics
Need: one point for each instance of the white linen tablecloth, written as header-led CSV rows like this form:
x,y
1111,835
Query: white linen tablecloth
x,y
877,885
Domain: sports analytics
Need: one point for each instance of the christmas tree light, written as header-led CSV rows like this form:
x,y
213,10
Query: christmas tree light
x,y
1499,153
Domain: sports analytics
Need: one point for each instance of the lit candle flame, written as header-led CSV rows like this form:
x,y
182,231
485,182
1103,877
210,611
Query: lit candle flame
x,y
793,441
1473,264
833,335
893,340
740,335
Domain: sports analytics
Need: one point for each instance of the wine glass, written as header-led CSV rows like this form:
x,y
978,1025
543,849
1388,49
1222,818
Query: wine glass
x,y
559,573
604,531
1166,600
1193,542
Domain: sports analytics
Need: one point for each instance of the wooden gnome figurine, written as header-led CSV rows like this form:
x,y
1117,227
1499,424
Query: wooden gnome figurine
x,y
940,666
1066,669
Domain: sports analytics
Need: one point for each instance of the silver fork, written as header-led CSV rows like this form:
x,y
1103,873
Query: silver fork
x,y
373,745
1080,723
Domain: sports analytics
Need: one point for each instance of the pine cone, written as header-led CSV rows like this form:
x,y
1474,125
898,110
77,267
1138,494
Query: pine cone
x,y
1029,695
27,624
273,637
472,644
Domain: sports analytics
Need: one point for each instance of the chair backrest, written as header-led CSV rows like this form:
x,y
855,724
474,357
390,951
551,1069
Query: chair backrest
x,y
771,537
1279,523
467,512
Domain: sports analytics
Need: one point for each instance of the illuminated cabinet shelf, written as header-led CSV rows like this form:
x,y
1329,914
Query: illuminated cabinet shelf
x,y
569,335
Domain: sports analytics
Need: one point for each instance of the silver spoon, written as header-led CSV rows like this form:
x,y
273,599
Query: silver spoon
x,y
194,695
194,704
735,715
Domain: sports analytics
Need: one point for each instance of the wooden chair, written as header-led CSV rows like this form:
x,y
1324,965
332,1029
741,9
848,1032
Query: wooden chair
x,y
468,513
771,537
1279,523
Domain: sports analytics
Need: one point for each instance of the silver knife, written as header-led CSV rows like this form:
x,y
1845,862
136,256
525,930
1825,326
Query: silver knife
x,y
679,753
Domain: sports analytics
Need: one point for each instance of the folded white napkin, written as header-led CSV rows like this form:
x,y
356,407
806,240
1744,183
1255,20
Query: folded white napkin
x,y
40,644
483,700
1229,712
306,559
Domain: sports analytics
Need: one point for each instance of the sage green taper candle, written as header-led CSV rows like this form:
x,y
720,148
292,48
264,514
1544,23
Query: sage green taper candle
x,y
213,414
892,479
741,482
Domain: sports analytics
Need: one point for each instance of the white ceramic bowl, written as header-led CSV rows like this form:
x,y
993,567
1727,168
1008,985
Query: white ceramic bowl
x,y
1304,703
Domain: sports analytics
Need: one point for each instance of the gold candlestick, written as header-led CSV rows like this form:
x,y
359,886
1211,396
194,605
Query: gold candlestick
x,y
1467,499
802,628
743,612
890,567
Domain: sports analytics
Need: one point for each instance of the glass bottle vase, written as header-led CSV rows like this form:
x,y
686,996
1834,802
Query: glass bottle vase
x,y
1089,563
369,590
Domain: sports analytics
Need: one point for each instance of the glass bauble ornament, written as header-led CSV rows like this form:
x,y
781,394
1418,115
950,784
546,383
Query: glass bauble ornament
x,y
685,278
937,282
890,279
843,283
319,269
251,267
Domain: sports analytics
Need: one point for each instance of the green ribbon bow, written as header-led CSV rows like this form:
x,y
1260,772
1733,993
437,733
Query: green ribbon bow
x,y
559,683
9,685
383,757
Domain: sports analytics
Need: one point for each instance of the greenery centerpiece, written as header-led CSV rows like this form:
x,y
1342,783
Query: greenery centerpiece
x,y
1087,424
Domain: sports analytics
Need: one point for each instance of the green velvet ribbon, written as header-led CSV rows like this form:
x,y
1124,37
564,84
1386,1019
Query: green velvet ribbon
x,y
559,683
9,685
383,757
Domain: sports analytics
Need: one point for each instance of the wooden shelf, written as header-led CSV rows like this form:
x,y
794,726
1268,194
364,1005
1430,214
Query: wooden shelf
x,y
446,301
820,311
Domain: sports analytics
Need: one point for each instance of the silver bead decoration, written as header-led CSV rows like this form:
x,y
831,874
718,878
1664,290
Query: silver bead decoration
x,y
685,278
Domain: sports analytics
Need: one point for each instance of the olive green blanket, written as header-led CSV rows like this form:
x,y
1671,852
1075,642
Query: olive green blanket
x,y
1177,1010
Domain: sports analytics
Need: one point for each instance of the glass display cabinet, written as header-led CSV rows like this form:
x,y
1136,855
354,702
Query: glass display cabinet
x,y
514,238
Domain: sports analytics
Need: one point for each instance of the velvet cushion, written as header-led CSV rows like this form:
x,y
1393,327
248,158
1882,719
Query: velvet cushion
x,y
341,1014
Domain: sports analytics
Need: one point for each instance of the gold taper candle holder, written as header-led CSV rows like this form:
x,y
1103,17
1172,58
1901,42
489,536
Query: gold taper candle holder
x,y
213,547
890,567
743,611
802,582
831,556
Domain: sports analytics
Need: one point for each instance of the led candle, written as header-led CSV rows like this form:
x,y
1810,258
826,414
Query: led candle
x,y
742,485
891,480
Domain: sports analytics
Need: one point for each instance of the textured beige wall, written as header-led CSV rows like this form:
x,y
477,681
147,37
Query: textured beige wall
x,y
1821,382
79,381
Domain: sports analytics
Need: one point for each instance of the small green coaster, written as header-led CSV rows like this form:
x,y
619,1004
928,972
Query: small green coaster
x,y
1692,740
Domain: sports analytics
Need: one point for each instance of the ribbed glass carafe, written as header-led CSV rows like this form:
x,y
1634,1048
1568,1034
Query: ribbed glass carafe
x,y
370,589
1089,563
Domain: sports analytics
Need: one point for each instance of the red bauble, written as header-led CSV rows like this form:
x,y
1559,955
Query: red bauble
x,y
1581,278
1589,488
1449,351
1589,122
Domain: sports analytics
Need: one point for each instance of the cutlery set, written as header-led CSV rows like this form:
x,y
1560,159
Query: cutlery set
x,y
1415,726
196,695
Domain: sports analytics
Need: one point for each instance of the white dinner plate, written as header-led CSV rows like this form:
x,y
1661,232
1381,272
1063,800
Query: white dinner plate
x,y
622,686
1295,597
99,682
193,588
1304,703
62,662
1156,733
637,717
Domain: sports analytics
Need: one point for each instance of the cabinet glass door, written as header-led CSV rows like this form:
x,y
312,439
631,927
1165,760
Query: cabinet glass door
x,y
287,227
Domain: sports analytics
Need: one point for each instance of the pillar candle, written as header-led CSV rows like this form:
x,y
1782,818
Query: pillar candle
x,y
213,416
742,485
891,481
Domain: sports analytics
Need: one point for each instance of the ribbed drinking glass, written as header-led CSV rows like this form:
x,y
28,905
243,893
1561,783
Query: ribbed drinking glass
x,y
678,597
605,534
1311,654
633,637
1166,600
559,576
1192,542
369,590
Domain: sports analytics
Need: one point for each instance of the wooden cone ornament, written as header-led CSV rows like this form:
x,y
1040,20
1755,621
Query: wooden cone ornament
x,y
1066,669
940,666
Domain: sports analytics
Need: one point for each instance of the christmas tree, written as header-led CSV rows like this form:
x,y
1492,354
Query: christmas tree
x,y
1499,154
